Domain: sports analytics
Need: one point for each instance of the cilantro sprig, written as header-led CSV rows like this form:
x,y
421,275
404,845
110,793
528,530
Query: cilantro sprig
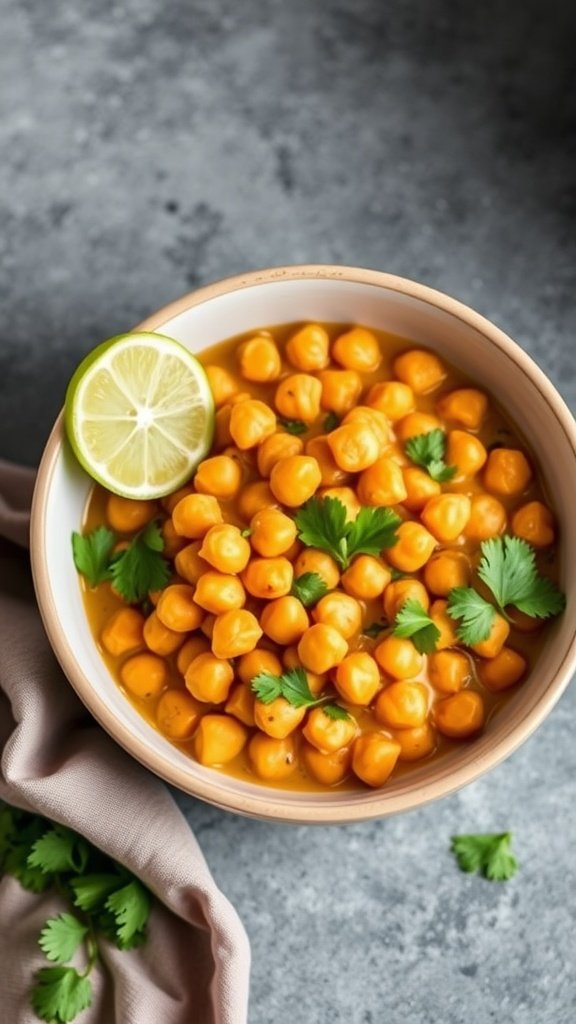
x,y
293,426
105,900
293,687
487,854
136,570
309,588
323,523
429,450
413,622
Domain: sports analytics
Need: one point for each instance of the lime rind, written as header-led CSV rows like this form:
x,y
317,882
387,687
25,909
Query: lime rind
x,y
139,414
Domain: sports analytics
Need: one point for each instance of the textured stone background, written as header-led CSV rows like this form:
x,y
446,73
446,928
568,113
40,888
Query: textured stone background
x,y
148,147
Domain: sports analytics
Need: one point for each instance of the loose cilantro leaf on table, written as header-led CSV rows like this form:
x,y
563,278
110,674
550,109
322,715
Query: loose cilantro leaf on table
x,y
488,854
130,906
309,588
92,554
508,568
59,849
61,936
428,450
323,523
60,994
293,426
477,615
141,566
413,622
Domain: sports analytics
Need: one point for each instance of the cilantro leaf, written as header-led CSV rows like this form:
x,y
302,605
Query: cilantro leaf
x,y
488,854
413,622
373,530
336,712
508,568
31,878
292,685
9,817
91,891
428,450
92,554
141,567
59,849
331,421
60,993
323,523
61,936
375,628
293,426
477,615
309,588
131,908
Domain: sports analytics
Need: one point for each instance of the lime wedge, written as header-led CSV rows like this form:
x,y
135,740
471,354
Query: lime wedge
x,y
139,414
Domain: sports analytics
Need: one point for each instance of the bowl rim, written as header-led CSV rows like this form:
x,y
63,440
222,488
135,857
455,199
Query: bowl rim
x,y
269,803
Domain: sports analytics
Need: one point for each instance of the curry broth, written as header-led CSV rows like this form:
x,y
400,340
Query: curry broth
x,y
496,431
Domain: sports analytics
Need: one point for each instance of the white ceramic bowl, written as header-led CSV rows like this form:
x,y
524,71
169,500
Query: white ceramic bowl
x,y
325,293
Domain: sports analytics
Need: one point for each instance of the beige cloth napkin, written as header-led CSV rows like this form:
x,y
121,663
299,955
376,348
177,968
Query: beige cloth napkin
x,y
58,762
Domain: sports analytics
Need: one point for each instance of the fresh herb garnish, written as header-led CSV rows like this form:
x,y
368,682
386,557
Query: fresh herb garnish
x,y
375,628
134,571
105,899
323,523
477,615
413,622
292,685
293,426
331,421
309,588
397,574
336,712
428,450
487,854
92,554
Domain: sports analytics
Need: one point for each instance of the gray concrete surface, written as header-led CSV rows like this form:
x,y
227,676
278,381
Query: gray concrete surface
x,y
150,147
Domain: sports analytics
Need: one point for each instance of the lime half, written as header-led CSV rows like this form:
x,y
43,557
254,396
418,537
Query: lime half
x,y
139,414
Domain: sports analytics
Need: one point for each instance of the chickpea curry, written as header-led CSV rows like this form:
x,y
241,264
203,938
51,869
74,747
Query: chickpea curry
x,y
354,580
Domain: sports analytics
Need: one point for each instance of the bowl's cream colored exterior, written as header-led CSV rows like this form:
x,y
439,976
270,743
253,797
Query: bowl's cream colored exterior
x,y
332,294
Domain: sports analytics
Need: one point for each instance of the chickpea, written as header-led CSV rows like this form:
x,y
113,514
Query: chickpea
x,y
219,592
329,769
357,349
443,622
419,486
321,648
259,359
177,609
170,501
446,570
415,424
307,349
251,422
195,514
235,633
329,734
421,370
279,718
341,611
222,384
341,390
466,406
413,548
346,496
268,578
330,472
144,675
127,514
416,743
209,679
207,626
191,649
219,739
507,472
188,563
494,643
503,671
257,661
398,657
220,476
534,523
298,397
277,446
354,446
240,703
159,638
319,562
382,483
224,548
374,419
374,758
465,452
273,532
255,497
460,715
392,398
446,516
295,479
173,543
177,714
123,632
222,435
400,591
367,578
402,705
284,620
487,518
357,678
272,760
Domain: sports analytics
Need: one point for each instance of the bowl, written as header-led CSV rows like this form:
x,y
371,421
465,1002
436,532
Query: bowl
x,y
343,294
